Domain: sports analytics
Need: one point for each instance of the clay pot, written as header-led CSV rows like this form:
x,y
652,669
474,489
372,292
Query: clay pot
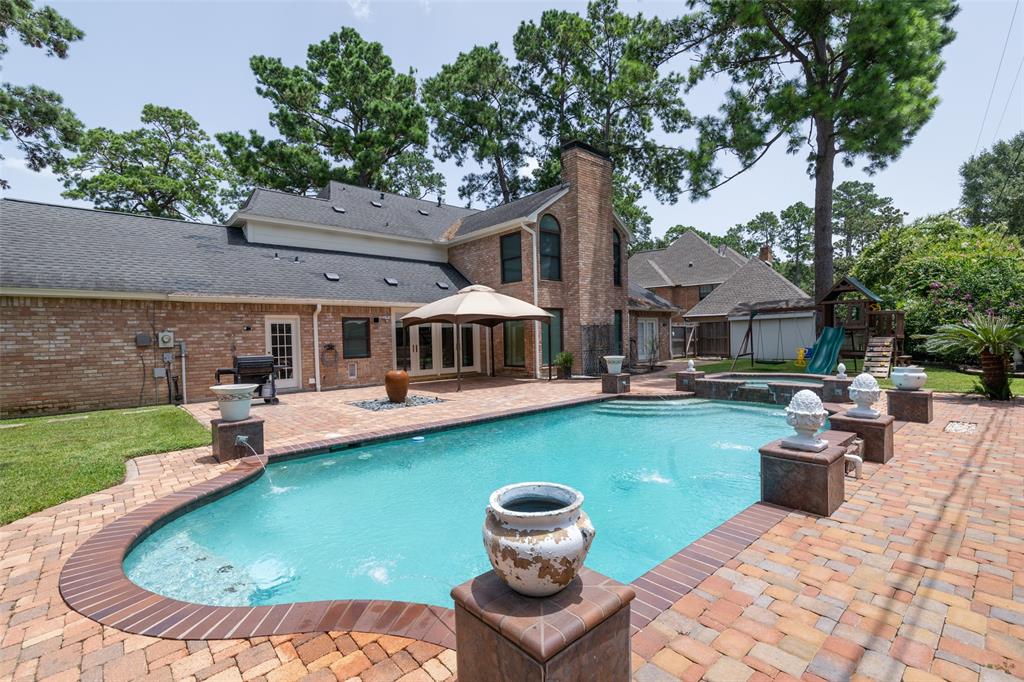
x,y
537,536
396,383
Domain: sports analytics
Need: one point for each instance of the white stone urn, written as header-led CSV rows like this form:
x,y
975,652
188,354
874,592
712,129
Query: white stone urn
x,y
864,391
910,378
841,371
614,363
234,400
537,536
806,415
690,367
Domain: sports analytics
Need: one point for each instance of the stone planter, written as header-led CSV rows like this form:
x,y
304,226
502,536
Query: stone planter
x,y
396,384
614,363
537,536
234,400
910,378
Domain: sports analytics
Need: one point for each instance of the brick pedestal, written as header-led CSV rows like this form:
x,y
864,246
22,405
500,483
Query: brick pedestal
x,y
224,434
876,434
615,383
911,406
581,633
687,381
808,481
835,390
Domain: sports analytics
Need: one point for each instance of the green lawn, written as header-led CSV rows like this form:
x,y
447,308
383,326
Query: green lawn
x,y
50,460
940,379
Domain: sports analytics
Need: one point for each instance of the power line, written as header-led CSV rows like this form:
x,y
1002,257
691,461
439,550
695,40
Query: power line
x,y
1009,98
1009,32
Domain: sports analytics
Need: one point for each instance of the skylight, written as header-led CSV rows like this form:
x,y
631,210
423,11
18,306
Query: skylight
x,y
422,212
391,281
332,276
338,209
376,203
442,285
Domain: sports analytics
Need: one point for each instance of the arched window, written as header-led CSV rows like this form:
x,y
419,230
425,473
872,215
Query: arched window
x,y
616,258
550,248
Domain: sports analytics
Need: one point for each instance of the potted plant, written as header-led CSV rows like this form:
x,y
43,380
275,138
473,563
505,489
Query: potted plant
x,y
989,337
563,361
234,400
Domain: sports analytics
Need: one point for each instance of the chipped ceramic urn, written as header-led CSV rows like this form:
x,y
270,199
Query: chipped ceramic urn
x,y
910,378
537,536
806,415
864,391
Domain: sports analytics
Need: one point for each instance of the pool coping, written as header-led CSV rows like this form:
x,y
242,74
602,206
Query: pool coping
x,y
93,582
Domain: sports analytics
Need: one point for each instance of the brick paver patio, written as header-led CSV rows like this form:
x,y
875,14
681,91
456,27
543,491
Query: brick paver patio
x,y
918,576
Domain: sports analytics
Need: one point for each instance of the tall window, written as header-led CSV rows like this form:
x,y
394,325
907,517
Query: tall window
x,y
616,258
355,337
555,347
704,290
515,344
618,332
512,258
550,248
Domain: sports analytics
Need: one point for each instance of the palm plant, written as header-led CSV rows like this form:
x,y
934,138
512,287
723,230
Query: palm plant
x,y
990,337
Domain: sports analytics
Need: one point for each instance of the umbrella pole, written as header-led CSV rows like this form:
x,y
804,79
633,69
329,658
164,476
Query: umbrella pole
x,y
458,357
490,347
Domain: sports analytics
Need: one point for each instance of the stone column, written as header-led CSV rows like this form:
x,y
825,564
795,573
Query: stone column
x,y
580,633
687,381
809,481
876,434
910,406
836,390
225,433
615,383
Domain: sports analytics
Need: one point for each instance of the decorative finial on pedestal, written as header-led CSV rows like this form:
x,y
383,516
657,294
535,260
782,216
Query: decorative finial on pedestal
x,y
806,415
689,366
841,371
864,391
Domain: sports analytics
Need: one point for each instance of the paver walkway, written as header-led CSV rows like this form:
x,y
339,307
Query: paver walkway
x,y
919,576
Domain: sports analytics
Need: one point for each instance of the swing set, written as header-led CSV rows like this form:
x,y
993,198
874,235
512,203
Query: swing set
x,y
759,355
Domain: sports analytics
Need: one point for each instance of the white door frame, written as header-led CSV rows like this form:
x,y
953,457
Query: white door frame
x,y
296,380
642,354
436,351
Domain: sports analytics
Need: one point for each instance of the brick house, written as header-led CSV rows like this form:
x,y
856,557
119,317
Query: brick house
x,y
321,282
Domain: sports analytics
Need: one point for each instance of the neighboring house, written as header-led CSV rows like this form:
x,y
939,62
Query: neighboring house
x,y
650,325
319,282
783,315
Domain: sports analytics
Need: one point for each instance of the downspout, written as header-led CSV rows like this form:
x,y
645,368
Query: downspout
x,y
316,345
536,301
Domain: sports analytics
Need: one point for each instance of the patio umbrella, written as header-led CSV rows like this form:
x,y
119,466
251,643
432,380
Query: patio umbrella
x,y
475,304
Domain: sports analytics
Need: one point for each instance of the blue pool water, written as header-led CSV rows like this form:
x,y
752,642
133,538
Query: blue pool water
x,y
402,519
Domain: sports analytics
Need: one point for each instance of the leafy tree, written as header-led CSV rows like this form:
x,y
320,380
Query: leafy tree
x,y
849,78
350,106
478,113
599,78
796,239
168,168
993,185
36,118
939,271
763,230
860,215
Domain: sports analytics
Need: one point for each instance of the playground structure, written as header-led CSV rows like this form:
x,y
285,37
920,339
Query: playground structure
x,y
870,334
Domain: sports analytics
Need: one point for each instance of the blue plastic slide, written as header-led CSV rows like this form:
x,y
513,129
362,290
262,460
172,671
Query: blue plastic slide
x,y
826,351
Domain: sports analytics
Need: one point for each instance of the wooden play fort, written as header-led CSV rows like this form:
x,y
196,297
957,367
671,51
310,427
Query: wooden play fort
x,y
872,335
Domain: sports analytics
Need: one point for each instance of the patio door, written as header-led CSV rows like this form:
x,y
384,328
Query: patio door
x,y
646,339
432,349
283,343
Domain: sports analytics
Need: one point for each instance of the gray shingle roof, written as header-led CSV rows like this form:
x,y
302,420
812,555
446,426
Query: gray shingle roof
x,y
687,261
644,299
62,247
755,282
396,215
520,208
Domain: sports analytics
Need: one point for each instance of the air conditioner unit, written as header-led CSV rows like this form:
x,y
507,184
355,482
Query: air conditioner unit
x,y
165,339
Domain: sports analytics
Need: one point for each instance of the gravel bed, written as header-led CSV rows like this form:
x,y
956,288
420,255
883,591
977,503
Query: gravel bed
x,y
382,404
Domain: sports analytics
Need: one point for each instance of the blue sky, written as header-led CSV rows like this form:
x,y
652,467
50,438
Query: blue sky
x,y
195,56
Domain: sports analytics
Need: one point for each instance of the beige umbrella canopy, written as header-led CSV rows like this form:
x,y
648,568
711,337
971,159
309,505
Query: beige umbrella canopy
x,y
474,304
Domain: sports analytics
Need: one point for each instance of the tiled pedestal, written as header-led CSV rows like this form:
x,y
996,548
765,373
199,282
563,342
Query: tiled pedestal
x,y
835,390
808,481
615,383
581,633
687,381
224,434
911,406
876,434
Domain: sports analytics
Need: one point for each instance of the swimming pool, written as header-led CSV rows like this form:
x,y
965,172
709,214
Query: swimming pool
x,y
401,520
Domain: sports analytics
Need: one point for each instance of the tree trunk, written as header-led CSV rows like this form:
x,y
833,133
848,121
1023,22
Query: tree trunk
x,y
824,176
499,167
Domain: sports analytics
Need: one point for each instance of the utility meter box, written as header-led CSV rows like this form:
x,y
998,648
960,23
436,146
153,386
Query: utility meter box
x,y
165,339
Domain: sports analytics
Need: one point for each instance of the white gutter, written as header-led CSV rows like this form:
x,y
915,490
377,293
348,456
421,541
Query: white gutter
x,y
536,300
184,375
316,345
193,298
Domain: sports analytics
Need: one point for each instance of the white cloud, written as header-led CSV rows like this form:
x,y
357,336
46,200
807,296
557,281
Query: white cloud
x,y
360,8
18,165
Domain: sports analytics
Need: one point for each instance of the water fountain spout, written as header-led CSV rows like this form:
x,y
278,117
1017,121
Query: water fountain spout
x,y
241,440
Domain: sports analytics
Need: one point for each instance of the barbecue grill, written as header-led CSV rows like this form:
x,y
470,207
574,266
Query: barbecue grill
x,y
254,369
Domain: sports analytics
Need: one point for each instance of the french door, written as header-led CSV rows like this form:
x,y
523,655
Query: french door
x,y
283,343
646,339
432,349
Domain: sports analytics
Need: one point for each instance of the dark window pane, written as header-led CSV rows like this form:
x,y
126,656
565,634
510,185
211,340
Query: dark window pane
x,y
515,344
618,332
511,258
704,290
550,248
468,350
616,259
355,338
556,336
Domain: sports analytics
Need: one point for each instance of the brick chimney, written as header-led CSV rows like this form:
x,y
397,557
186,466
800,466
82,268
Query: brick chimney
x,y
766,254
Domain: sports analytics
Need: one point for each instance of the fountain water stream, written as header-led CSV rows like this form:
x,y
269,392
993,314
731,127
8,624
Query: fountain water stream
x,y
244,440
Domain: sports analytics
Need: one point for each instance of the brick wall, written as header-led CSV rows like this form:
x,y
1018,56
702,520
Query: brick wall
x,y
681,297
